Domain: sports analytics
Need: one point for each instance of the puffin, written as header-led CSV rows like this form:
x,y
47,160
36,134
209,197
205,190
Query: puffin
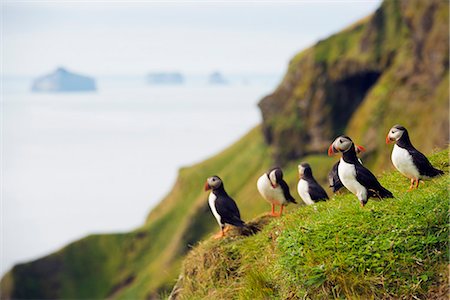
x,y
333,177
308,188
223,207
407,159
275,190
354,176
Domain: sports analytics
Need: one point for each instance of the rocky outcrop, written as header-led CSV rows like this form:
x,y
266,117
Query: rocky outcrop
x,y
62,80
396,56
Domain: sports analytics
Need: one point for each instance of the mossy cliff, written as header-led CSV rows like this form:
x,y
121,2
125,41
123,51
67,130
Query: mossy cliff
x,y
391,67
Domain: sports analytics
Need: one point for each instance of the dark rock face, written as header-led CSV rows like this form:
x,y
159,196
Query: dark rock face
x,y
347,83
63,81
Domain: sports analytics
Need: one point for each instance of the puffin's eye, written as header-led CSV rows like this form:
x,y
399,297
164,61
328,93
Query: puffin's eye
x,y
213,179
341,141
392,131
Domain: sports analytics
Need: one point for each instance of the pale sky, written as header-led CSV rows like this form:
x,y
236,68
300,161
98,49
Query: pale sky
x,y
136,37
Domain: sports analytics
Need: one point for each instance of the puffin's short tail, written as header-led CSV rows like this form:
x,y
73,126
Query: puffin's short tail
x,y
292,200
237,222
382,193
385,193
249,229
437,172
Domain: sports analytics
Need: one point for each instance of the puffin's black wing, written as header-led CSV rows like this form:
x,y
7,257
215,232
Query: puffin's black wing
x,y
286,192
423,164
228,211
317,192
333,178
371,183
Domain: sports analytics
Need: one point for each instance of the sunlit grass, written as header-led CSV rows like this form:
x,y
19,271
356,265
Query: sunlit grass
x,y
395,248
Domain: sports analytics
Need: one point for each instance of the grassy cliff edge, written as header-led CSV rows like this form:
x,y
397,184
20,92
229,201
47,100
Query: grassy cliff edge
x,y
395,248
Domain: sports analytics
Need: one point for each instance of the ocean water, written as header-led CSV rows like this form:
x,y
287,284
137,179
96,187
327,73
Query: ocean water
x,y
82,163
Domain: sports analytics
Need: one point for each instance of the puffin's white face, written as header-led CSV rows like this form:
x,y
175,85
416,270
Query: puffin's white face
x,y
395,134
301,169
340,144
213,182
273,178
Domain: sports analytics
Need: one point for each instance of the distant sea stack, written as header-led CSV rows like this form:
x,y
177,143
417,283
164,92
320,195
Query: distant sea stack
x,y
62,80
217,78
165,78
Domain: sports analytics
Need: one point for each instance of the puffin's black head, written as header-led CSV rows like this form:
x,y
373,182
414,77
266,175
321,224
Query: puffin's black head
x,y
275,176
304,169
213,182
341,144
395,133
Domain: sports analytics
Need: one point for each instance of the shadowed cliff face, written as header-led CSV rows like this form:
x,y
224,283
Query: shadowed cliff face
x,y
354,81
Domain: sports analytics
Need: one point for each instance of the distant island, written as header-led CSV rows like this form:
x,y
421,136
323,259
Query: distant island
x,y
217,78
61,80
165,78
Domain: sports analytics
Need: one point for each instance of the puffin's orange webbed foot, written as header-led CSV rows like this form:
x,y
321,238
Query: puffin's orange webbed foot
x,y
411,187
417,183
219,235
273,213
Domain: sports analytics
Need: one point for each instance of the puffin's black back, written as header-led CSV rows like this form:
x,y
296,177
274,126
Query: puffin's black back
x,y
423,164
333,178
365,177
287,194
315,190
419,159
317,193
227,209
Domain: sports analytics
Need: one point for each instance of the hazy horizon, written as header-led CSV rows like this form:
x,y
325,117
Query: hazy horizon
x,y
133,38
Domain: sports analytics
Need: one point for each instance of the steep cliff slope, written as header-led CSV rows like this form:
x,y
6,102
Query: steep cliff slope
x,y
386,69
391,67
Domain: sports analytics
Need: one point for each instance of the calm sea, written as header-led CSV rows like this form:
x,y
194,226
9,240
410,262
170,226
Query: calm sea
x,y
81,163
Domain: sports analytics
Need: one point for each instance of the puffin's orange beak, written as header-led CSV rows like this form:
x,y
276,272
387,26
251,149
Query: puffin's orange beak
x,y
388,140
207,187
331,150
361,148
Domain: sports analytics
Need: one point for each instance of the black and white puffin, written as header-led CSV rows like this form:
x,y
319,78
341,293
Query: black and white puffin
x,y
354,176
275,190
308,188
333,177
407,159
222,206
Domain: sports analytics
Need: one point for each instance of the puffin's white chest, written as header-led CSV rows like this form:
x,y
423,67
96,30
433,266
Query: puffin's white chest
x,y
303,191
212,204
403,162
347,174
273,195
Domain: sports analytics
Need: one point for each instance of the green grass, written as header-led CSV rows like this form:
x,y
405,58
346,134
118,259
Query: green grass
x,y
395,248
